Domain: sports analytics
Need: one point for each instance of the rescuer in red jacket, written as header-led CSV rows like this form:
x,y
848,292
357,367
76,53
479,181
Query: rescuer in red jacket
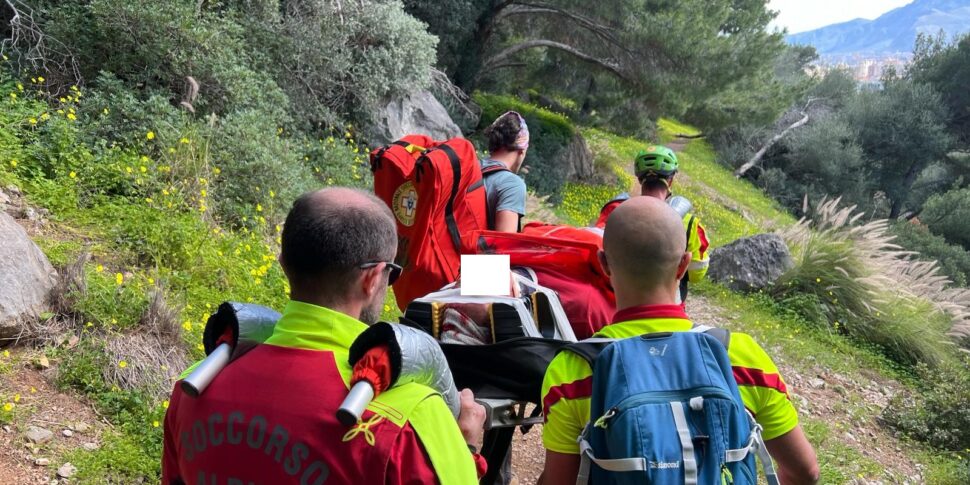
x,y
269,416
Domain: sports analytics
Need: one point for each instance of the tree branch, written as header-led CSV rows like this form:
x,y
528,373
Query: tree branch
x,y
775,139
500,58
530,8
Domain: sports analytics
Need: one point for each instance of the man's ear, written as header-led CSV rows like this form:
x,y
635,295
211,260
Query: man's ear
x,y
682,266
601,255
370,280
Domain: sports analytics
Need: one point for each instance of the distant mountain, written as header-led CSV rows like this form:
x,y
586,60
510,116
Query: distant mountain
x,y
893,32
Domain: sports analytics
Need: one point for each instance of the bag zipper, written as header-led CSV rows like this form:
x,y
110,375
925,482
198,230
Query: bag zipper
x,y
659,397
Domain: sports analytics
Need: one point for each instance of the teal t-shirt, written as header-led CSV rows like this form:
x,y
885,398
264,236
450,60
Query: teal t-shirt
x,y
504,191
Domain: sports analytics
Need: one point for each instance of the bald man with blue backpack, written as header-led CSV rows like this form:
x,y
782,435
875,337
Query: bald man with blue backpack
x,y
654,398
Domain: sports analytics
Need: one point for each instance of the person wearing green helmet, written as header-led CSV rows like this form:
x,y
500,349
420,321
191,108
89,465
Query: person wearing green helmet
x,y
655,169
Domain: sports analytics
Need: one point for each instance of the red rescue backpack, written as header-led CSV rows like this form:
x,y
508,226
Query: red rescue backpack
x,y
563,259
436,192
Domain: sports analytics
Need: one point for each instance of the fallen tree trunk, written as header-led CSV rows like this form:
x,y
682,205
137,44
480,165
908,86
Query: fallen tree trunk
x,y
775,139
764,149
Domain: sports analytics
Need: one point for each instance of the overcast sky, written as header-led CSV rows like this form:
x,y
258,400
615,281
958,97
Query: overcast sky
x,y
802,15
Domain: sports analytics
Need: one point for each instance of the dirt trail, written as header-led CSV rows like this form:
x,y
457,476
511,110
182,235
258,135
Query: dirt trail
x,y
41,405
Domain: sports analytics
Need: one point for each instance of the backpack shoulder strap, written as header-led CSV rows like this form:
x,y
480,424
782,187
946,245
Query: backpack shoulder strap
x,y
690,227
494,169
722,335
588,349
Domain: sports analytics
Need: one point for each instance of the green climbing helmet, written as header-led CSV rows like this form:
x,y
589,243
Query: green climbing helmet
x,y
655,160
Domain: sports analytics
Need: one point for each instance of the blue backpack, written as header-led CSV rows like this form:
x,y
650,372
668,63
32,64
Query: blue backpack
x,y
666,409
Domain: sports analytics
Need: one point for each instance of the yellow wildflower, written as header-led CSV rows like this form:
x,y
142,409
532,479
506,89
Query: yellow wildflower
x,y
151,281
165,192
105,111
119,278
155,424
72,174
60,111
71,116
184,141
122,364
216,171
13,163
187,325
6,354
165,404
148,199
40,79
128,169
203,192
13,95
16,398
33,390
62,100
259,208
171,150
33,121
150,135
100,268
8,407
143,169
45,116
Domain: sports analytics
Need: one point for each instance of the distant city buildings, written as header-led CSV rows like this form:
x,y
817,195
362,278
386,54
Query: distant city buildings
x,y
865,69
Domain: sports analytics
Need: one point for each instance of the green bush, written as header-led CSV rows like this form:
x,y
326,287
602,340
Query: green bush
x,y
954,260
939,413
254,158
948,215
549,133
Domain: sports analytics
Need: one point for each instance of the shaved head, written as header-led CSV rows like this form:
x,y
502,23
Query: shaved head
x,y
644,242
329,233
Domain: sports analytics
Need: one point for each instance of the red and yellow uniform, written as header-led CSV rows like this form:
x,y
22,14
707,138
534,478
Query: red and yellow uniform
x,y
697,243
568,384
269,417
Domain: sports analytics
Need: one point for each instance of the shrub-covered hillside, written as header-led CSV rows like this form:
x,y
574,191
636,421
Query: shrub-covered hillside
x,y
152,154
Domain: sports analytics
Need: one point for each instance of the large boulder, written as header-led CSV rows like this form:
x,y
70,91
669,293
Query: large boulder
x,y
418,112
750,263
26,278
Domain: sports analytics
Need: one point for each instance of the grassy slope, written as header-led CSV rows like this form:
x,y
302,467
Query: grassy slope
x,y
729,209
732,208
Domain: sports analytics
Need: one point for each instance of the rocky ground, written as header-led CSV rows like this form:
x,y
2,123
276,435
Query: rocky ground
x,y
48,423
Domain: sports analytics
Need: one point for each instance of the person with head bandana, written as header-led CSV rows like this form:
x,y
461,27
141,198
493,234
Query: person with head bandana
x,y
508,142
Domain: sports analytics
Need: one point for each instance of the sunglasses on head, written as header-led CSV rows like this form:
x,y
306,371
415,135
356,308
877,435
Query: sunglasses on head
x,y
392,276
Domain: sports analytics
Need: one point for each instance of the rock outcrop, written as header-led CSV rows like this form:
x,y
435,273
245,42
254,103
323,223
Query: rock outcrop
x,y
26,278
418,112
750,263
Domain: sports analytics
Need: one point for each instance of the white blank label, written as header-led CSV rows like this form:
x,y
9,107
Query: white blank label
x,y
485,274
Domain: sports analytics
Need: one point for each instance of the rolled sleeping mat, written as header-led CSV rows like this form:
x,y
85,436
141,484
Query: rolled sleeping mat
x,y
234,329
680,204
414,356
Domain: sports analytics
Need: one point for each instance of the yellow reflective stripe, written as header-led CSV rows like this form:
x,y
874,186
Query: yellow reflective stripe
x,y
442,440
